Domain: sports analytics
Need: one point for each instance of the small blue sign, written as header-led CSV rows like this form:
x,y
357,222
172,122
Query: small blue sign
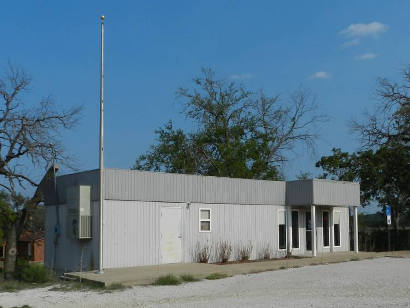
x,y
388,210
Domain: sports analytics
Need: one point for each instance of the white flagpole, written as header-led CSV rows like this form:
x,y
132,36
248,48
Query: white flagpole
x,y
101,178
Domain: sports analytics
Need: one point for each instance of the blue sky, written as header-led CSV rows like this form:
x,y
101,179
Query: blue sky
x,y
335,49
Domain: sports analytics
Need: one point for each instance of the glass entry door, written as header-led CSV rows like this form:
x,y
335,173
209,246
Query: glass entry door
x,y
308,231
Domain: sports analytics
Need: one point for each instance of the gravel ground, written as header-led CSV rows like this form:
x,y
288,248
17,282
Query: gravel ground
x,y
383,282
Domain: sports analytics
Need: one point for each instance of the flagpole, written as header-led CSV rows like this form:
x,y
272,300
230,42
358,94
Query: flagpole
x,y
101,178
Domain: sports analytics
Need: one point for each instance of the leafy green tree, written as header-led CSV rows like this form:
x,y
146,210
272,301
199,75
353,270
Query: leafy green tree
x,y
383,164
239,133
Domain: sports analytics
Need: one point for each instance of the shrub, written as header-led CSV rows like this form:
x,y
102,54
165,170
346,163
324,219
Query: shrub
x,y
188,278
36,273
265,253
223,252
21,265
169,279
245,251
32,272
202,253
216,276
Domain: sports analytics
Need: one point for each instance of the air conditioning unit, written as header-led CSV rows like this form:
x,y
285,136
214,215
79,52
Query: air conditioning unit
x,y
79,216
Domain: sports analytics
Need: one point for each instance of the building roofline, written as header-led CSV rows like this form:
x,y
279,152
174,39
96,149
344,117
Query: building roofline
x,y
208,176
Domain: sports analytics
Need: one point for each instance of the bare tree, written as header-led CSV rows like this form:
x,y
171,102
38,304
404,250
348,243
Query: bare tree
x,y
390,121
29,136
284,124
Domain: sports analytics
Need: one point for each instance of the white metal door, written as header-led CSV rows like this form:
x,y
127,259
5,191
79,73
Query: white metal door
x,y
171,235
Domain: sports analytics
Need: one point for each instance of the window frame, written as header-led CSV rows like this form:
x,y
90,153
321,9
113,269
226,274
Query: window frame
x,y
323,229
291,212
340,230
205,220
286,233
308,230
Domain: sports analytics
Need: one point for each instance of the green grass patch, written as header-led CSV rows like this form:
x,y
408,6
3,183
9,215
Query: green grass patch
x,y
116,287
216,276
355,259
188,278
283,267
167,280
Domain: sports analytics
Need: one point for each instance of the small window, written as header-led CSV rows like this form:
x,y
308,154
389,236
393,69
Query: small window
x,y
325,228
29,249
282,229
295,229
205,220
336,228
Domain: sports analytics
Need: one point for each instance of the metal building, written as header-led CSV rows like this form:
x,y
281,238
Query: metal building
x,y
154,218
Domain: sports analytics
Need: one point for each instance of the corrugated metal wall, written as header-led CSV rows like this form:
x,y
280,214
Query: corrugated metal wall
x,y
322,192
90,178
236,224
131,233
124,184
132,230
299,192
70,254
336,193
243,211
154,186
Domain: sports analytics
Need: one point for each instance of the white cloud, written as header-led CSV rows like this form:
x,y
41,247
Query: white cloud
x,y
321,75
361,30
241,76
366,56
355,32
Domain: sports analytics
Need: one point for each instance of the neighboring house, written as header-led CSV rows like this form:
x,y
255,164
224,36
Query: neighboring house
x,y
155,218
30,246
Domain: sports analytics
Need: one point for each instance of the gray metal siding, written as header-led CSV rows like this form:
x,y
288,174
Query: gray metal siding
x,y
132,230
90,178
336,193
322,193
123,184
131,233
69,254
165,187
236,224
299,192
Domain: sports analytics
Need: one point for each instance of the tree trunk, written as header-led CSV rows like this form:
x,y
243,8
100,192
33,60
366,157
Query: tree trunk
x,y
11,252
396,234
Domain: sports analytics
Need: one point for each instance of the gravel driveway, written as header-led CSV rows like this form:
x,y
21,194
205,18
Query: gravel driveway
x,y
383,282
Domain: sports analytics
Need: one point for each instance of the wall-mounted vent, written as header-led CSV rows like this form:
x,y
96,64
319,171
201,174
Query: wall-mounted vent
x,y
79,216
